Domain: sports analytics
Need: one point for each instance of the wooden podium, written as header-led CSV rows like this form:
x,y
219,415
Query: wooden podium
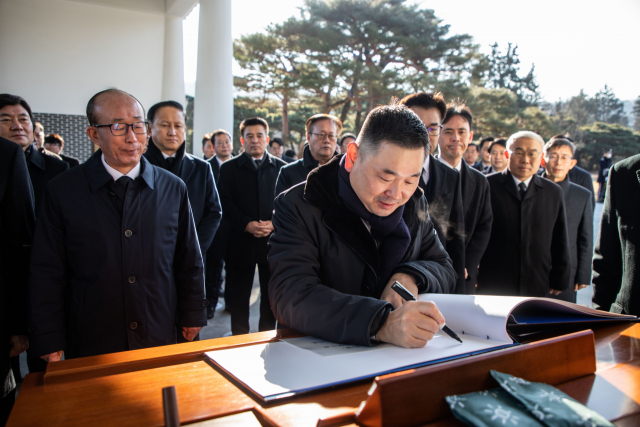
x,y
125,389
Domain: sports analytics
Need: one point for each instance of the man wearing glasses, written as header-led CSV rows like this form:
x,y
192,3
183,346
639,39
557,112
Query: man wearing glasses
x,y
456,135
322,136
123,262
441,185
528,252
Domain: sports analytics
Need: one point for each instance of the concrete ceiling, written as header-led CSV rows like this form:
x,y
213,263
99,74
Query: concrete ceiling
x,y
171,7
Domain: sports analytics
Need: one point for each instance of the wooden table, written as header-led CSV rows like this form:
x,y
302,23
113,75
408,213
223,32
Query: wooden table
x,y
125,389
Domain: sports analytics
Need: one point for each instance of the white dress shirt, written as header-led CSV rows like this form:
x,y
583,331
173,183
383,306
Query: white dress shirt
x,y
133,173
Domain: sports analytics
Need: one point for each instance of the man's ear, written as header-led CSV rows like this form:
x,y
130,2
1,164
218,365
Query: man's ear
x,y
92,133
242,141
506,154
351,156
543,163
574,162
267,140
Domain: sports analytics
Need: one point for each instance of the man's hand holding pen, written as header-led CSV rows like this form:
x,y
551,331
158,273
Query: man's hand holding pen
x,y
412,323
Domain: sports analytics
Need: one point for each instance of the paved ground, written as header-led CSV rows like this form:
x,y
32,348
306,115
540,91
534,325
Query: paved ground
x,y
221,323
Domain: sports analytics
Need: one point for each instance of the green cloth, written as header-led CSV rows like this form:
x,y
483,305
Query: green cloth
x,y
518,402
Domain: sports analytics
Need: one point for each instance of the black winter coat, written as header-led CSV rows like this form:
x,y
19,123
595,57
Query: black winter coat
x,y
247,195
43,167
583,178
478,219
528,252
444,196
17,219
579,211
114,279
296,172
203,194
72,161
324,263
616,262
218,247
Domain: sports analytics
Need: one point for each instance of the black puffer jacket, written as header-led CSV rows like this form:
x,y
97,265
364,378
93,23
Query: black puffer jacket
x,y
324,262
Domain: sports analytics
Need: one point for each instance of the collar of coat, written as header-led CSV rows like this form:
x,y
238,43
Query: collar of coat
x,y
267,160
36,157
321,191
185,162
509,184
98,176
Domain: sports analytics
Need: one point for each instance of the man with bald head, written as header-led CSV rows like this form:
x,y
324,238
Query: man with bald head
x,y
528,251
123,262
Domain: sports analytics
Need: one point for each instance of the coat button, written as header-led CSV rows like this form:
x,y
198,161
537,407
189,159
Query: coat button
x,y
204,303
133,325
128,233
132,279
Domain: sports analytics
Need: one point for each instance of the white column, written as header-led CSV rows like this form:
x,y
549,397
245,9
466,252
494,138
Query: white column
x,y
173,63
213,108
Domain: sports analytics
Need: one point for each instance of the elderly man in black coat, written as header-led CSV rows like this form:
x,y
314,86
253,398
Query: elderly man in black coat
x,y
359,224
17,220
247,185
322,136
167,150
17,125
456,135
616,280
123,262
441,184
558,160
528,252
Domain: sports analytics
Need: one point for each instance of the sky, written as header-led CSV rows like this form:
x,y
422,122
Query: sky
x,y
574,44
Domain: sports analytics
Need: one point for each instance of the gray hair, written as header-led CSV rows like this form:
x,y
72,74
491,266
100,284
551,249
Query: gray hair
x,y
560,142
524,134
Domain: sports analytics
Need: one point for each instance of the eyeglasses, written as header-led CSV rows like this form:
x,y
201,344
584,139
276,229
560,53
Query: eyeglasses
x,y
555,158
119,129
520,154
322,136
434,130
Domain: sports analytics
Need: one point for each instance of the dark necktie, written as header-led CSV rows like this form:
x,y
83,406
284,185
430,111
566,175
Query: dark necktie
x,y
258,162
171,161
523,190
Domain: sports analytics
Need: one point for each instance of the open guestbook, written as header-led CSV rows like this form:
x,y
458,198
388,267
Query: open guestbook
x,y
484,323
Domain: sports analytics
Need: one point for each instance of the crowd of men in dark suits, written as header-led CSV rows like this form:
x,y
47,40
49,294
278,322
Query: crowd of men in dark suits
x,y
127,250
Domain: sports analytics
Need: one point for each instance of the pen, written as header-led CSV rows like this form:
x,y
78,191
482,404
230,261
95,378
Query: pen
x,y
408,296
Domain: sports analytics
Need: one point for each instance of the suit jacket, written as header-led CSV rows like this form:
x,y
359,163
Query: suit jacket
x,y
203,194
528,252
583,178
215,168
478,218
120,271
296,172
325,263
444,195
72,161
247,195
479,166
616,279
17,219
43,167
218,248
577,202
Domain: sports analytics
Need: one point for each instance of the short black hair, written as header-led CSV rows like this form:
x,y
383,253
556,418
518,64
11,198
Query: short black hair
x,y
563,136
54,139
396,124
91,105
276,140
7,99
219,132
151,115
345,136
473,144
459,108
559,142
427,101
500,141
485,140
253,121
290,153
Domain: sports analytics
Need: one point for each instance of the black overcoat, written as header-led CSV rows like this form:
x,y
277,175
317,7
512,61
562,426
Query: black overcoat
x,y
296,172
218,247
215,168
583,178
616,279
114,279
203,194
43,167
528,252
444,197
478,219
72,161
17,219
324,262
579,211
247,195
